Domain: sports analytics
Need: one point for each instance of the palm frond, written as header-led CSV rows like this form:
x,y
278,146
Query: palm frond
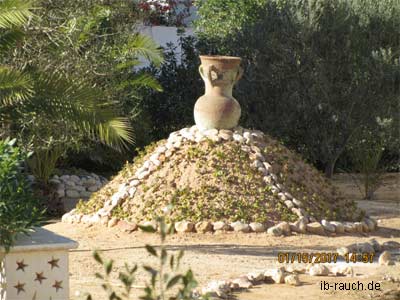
x,y
14,13
80,107
116,132
15,86
142,81
9,38
145,46
127,64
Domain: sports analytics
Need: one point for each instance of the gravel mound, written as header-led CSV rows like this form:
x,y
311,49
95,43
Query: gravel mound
x,y
226,175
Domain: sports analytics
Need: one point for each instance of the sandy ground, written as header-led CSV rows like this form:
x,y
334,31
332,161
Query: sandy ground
x,y
229,255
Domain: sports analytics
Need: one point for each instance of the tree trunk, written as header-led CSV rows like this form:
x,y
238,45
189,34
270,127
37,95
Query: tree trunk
x,y
329,168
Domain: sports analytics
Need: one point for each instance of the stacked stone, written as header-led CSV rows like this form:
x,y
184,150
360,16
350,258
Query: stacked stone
x,y
72,188
251,141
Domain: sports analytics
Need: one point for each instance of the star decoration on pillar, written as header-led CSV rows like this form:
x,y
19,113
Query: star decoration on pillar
x,y
57,285
20,287
21,265
40,277
54,263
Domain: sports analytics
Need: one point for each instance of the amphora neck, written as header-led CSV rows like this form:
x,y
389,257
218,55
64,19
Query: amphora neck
x,y
223,88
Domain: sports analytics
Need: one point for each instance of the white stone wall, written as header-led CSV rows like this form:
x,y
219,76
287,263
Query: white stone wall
x,y
164,35
71,188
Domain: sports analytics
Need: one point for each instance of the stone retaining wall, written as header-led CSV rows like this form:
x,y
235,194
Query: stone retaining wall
x,y
72,188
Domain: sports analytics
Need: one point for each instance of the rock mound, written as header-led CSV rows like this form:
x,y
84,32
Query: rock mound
x,y
219,175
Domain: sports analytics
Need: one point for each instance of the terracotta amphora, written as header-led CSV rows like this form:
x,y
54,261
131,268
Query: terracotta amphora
x,y
217,108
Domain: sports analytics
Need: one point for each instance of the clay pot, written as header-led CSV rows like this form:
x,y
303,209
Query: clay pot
x,y
217,108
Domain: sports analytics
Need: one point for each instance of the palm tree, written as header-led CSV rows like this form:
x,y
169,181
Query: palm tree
x,y
57,102
59,97
14,85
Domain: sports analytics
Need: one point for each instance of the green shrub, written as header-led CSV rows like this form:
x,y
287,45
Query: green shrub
x,y
19,208
366,151
366,157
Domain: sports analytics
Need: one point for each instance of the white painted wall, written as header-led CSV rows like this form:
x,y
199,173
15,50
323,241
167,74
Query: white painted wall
x,y
164,35
168,34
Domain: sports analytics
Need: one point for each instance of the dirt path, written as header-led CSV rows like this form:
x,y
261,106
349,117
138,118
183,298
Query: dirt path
x,y
229,255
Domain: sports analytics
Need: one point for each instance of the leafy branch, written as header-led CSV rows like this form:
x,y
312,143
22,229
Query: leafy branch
x,y
166,283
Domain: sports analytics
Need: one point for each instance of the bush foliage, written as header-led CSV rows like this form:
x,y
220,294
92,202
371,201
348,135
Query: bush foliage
x,y
19,208
173,108
316,72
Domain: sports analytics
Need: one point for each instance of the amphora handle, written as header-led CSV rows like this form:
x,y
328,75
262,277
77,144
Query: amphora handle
x,y
210,76
239,74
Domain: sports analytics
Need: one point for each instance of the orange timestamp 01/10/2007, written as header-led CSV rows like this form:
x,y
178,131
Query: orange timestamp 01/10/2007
x,y
324,257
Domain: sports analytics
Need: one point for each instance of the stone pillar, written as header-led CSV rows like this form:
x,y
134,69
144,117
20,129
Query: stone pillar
x,y
36,267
